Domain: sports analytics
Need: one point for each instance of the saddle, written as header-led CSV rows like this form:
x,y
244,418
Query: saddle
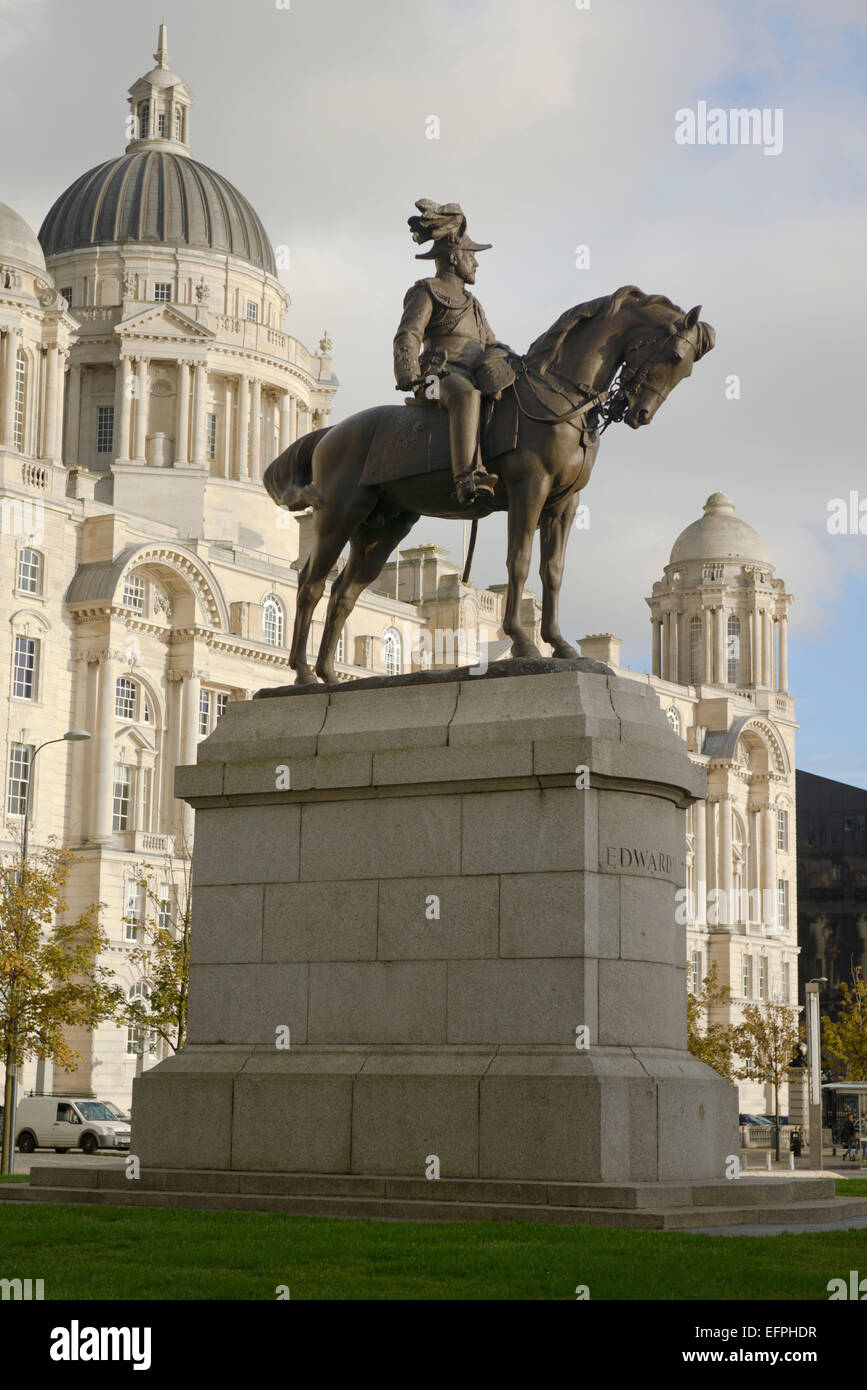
x,y
414,438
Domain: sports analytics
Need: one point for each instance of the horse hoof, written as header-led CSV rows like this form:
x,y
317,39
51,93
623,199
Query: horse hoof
x,y
306,677
526,651
329,677
564,651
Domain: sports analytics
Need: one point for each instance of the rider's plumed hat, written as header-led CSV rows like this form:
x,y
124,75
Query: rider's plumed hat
x,y
444,224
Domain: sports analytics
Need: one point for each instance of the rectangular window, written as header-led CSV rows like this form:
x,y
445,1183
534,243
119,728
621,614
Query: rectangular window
x,y
763,977
146,780
161,123
165,907
252,311
25,668
211,436
782,830
162,292
134,593
785,981
29,571
204,711
222,704
20,398
122,797
67,293
695,971
124,698
782,902
747,977
133,916
104,429
20,755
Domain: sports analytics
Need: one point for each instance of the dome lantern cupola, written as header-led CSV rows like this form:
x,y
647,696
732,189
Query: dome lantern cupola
x,y
719,614
159,106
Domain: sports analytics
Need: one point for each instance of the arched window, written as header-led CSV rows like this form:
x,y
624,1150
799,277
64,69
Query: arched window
x,y
29,571
272,621
733,649
673,718
695,673
138,1038
391,651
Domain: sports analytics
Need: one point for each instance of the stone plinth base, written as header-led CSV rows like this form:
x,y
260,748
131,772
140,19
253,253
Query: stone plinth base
x,y
410,904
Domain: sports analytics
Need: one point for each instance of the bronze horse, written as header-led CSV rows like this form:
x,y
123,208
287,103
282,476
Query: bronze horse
x,y
644,341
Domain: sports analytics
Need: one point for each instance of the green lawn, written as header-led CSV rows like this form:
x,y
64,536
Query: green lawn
x,y
110,1252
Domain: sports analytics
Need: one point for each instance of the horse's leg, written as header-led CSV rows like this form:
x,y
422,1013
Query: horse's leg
x,y
553,537
333,527
369,550
527,490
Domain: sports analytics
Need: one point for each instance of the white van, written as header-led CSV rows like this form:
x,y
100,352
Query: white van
x,y
65,1122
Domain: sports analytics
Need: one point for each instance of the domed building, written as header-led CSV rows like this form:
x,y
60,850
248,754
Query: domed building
x,y
146,381
719,620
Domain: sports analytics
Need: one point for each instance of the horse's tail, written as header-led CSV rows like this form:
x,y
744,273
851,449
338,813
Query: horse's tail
x,y
289,479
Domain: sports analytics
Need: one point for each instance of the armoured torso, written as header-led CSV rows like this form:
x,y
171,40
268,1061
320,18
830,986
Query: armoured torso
x,y
437,318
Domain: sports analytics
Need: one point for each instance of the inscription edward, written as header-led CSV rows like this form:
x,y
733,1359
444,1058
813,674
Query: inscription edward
x,y
626,857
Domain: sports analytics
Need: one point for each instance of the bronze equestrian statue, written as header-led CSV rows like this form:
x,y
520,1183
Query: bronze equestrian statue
x,y
537,418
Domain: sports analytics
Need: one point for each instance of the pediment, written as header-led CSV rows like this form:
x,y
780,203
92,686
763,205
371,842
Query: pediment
x,y
136,737
163,322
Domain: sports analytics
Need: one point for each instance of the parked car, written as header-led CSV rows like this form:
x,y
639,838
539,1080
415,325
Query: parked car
x,y
62,1123
755,1120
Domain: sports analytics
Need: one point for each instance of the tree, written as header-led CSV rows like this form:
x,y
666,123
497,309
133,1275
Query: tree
x,y
713,1043
766,1042
845,1038
49,977
163,956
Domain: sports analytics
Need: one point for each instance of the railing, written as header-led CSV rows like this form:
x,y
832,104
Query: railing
x,y
34,475
146,843
93,313
762,1136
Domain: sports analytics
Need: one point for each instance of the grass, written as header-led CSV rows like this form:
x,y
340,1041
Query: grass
x,y
121,1253
14,1177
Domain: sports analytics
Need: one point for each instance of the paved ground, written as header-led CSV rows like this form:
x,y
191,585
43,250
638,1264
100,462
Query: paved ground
x,y
47,1158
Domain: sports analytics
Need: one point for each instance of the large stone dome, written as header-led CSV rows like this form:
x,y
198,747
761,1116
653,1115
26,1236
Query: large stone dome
x,y
19,244
719,535
156,196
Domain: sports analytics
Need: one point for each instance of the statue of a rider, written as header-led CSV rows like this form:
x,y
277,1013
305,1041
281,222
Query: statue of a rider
x,y
445,336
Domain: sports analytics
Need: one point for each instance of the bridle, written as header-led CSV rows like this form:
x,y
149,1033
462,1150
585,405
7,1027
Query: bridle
x,y
630,379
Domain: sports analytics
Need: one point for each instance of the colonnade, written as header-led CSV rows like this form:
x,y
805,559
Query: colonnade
x,y
762,652
43,399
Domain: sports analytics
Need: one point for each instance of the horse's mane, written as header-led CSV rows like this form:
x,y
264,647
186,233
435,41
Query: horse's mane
x,y
544,350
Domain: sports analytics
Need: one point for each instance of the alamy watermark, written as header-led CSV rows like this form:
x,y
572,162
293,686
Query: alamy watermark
x,y
740,125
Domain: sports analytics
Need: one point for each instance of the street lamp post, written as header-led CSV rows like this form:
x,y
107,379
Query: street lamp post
x,y
71,736
814,1068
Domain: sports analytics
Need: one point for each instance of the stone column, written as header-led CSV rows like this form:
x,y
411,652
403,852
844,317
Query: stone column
x,y
190,692
141,411
700,865
757,645
256,431
286,424
672,647
767,649
49,432
711,854
104,748
12,340
783,643
769,894
707,644
228,422
720,664
242,460
656,625
200,378
125,370
73,417
182,418
726,876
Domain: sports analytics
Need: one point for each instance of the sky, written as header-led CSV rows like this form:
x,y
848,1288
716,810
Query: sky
x,y
557,129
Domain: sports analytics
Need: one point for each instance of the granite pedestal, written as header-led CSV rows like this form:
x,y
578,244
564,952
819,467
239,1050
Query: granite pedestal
x,y
415,937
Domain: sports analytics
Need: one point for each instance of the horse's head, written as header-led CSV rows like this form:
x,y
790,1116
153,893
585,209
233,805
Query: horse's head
x,y
654,364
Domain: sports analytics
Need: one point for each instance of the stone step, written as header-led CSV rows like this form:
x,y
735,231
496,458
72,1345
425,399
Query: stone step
x,y
620,1196
425,1209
